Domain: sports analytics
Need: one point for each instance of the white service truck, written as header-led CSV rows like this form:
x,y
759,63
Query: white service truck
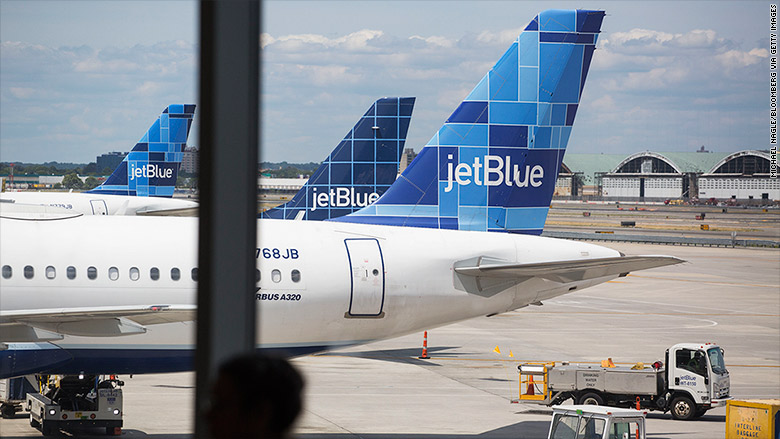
x,y
693,380
76,402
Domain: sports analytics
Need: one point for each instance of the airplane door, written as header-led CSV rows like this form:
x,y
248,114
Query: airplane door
x,y
367,276
99,207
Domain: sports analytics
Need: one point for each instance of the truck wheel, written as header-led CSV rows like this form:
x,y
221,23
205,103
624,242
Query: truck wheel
x,y
8,411
683,408
590,399
47,429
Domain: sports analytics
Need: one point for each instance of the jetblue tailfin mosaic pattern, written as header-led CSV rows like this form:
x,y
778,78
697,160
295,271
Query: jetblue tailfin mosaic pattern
x,y
151,168
359,170
493,164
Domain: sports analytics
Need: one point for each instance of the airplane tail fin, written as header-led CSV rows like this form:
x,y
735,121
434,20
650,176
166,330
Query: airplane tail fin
x,y
494,163
360,169
151,168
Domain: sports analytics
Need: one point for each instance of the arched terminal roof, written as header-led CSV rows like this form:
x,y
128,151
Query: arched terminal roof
x,y
669,162
633,164
747,162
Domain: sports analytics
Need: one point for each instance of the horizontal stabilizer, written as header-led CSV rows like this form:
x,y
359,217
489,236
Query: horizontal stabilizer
x,y
92,322
488,270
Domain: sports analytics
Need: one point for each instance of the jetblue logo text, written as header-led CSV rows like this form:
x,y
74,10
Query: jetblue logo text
x,y
342,197
495,171
149,170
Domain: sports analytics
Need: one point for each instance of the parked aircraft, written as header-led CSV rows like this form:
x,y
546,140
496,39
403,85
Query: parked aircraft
x,y
360,169
117,294
143,183
494,163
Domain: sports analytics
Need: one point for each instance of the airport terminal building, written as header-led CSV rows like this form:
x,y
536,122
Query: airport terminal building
x,y
658,176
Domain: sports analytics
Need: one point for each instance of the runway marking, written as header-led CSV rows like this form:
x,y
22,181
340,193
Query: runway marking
x,y
566,302
731,284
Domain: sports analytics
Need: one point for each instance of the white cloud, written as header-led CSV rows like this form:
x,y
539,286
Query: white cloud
x,y
150,88
434,41
736,58
651,42
504,37
22,92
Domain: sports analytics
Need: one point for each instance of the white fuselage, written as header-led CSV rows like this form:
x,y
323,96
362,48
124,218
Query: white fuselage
x,y
98,204
356,283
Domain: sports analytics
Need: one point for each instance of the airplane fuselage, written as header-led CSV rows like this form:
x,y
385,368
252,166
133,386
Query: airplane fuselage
x,y
98,204
321,285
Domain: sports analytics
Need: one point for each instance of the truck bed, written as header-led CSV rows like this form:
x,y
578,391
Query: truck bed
x,y
618,380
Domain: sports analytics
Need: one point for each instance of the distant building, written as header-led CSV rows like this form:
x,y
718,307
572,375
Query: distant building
x,y
406,158
109,161
190,162
657,176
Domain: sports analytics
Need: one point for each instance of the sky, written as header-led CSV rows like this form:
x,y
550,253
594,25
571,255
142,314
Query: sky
x,y
79,79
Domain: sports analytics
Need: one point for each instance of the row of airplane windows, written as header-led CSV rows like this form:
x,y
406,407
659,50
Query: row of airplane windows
x,y
134,273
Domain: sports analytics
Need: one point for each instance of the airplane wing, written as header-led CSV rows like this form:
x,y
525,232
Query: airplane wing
x,y
52,324
187,211
488,275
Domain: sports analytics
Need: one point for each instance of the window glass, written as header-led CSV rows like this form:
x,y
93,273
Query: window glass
x,y
113,273
716,361
564,427
134,273
257,275
92,273
70,272
276,276
295,276
175,273
623,430
28,272
691,360
51,273
154,273
591,428
194,274
7,271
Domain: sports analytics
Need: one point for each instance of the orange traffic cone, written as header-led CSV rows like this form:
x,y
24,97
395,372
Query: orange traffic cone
x,y
530,388
424,355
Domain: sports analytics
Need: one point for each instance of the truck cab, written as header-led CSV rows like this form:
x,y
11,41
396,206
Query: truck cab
x,y
698,379
596,422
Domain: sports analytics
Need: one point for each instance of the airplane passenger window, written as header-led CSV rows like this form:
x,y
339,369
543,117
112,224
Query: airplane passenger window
x,y
71,272
92,273
154,273
194,274
134,273
7,271
175,273
276,276
28,272
295,276
257,275
113,273
51,273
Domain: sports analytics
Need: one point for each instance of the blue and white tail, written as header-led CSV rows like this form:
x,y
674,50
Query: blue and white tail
x,y
494,163
151,168
359,170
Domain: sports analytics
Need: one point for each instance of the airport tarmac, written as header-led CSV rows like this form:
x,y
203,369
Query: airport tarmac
x,y
382,390
667,220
